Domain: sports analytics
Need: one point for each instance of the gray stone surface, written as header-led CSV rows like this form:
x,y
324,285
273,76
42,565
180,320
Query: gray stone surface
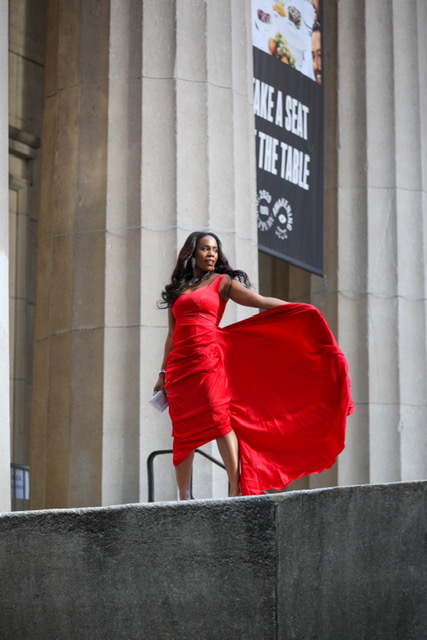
x,y
353,563
196,570
330,564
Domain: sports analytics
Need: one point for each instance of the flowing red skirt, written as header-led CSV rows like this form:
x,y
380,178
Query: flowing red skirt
x,y
290,395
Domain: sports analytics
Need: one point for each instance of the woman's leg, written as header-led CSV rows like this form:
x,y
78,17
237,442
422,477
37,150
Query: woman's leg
x,y
228,447
183,477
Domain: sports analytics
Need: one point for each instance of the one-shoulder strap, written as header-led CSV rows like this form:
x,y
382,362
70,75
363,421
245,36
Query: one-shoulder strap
x,y
227,286
215,283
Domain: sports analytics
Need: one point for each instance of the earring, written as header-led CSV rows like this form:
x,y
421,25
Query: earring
x,y
193,262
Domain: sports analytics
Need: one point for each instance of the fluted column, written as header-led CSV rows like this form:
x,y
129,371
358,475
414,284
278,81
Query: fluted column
x,y
69,333
124,287
4,268
409,31
381,224
352,235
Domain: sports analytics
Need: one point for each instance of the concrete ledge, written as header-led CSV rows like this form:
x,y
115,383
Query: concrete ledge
x,y
353,563
329,564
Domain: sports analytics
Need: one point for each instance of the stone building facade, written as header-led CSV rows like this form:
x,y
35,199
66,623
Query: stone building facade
x,y
130,124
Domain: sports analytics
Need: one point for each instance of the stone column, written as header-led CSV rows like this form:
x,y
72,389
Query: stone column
x,y
410,104
4,268
351,229
124,287
67,404
147,136
381,262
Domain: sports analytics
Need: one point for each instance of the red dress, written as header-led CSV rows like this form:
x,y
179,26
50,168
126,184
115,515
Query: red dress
x,y
278,379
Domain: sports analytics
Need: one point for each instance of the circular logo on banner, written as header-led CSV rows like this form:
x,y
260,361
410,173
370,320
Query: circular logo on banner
x,y
265,218
280,214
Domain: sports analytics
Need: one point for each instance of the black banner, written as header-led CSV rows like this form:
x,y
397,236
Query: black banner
x,y
288,107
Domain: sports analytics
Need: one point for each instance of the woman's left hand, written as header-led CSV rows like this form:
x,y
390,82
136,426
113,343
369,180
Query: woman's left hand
x,y
160,384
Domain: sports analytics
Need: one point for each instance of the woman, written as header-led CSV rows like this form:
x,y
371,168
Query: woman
x,y
273,388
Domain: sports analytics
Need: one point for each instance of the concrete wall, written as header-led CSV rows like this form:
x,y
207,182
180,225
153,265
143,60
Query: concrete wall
x,y
327,564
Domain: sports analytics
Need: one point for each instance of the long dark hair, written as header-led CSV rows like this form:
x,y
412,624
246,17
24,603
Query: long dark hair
x,y
183,272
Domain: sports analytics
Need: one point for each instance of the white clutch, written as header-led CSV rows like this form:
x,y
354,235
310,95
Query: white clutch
x,y
159,401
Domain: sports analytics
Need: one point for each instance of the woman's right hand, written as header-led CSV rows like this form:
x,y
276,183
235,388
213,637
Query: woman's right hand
x,y
160,384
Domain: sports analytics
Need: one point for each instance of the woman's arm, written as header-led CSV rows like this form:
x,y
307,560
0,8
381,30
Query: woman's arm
x,y
240,294
160,384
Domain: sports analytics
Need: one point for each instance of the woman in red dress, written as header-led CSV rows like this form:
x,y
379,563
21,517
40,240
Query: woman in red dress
x,y
272,390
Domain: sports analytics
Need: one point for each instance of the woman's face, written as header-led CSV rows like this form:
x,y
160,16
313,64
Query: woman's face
x,y
206,254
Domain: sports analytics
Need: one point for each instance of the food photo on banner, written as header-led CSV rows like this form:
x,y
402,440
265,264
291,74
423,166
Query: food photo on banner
x,y
288,108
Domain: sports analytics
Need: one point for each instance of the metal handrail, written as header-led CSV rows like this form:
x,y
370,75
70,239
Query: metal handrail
x,y
150,467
